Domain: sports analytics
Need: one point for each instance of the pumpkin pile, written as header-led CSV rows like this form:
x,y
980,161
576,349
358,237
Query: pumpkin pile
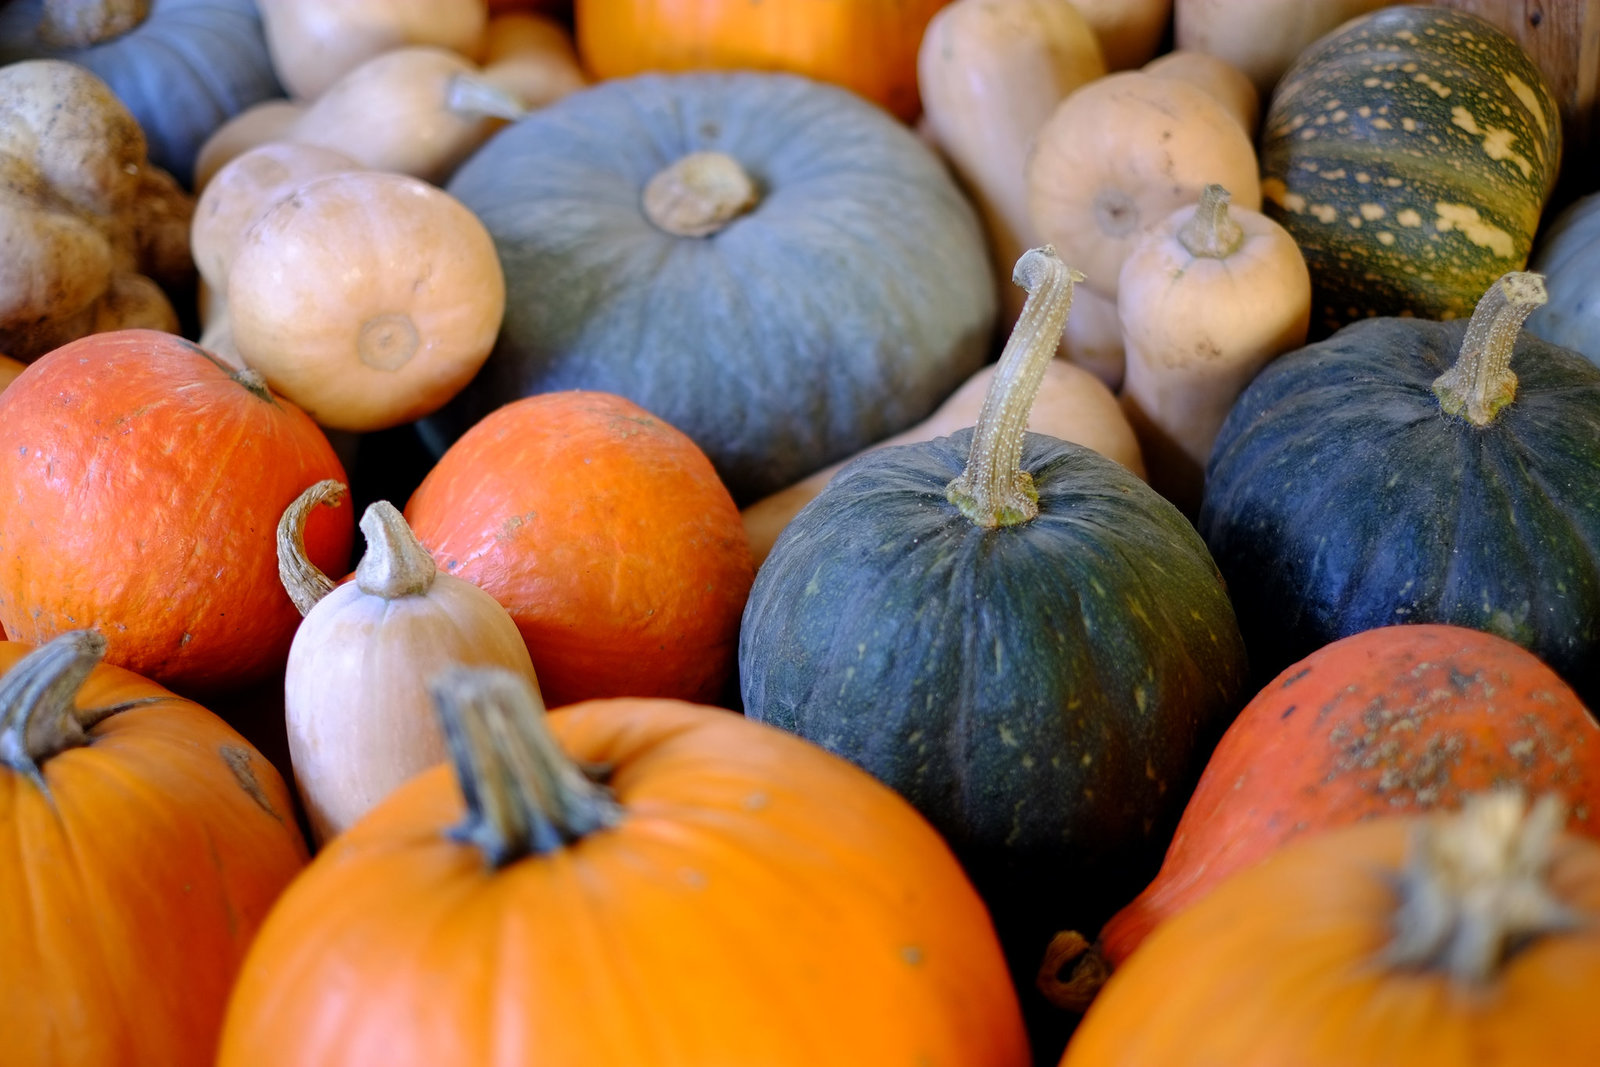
x,y
821,531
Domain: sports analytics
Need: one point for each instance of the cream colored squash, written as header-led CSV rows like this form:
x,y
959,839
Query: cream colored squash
x,y
368,298
1130,31
990,73
1093,337
1260,37
1072,405
1208,297
356,702
532,58
1216,76
258,124
1124,152
314,43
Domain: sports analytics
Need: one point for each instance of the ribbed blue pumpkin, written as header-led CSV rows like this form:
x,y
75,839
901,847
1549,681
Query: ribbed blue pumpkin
x,y
839,308
185,70
1568,255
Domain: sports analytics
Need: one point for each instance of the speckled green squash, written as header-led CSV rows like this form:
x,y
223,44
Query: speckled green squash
x,y
1410,154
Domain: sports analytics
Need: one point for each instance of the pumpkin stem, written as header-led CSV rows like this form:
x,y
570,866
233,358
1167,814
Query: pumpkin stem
x,y
699,194
84,23
1090,969
1211,232
301,579
1475,887
38,701
252,380
524,795
1481,382
395,564
994,490
469,95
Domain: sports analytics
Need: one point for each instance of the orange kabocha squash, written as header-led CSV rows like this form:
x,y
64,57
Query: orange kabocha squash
x,y
145,841
607,535
869,46
729,896
143,482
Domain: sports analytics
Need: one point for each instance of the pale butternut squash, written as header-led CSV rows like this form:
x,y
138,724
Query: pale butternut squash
x,y
1093,337
1260,37
1216,76
314,43
258,124
1130,31
532,58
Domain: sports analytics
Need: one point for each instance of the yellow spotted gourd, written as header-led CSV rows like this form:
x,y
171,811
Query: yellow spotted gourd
x,y
1410,154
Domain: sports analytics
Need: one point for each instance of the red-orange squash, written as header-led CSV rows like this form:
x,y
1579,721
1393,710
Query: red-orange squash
x,y
145,841
1396,719
869,46
606,534
728,895
143,480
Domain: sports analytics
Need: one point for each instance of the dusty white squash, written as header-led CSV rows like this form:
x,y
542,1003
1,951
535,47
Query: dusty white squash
x,y
314,43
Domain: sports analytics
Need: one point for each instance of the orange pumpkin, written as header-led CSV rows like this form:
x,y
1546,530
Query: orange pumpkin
x,y
1469,940
1397,719
143,481
606,534
145,841
869,46
730,895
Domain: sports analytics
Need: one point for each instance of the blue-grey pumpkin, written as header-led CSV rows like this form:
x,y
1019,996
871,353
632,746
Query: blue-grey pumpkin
x,y
1344,493
185,70
840,308
1568,255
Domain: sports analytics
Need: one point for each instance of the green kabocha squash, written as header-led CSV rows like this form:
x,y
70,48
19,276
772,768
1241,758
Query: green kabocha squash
x,y
1568,255
1409,471
1015,633
183,67
772,265
1409,153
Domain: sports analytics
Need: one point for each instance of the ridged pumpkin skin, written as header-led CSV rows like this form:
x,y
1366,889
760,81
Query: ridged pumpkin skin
x,y
1339,498
841,309
1409,153
134,885
183,72
759,903
1397,719
1044,693
867,46
143,483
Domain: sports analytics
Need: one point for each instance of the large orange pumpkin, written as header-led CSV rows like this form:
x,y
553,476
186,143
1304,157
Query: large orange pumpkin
x,y
731,895
606,534
142,479
1397,719
144,842
869,46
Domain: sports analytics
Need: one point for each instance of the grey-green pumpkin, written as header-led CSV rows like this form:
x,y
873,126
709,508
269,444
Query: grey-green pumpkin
x,y
1568,255
837,304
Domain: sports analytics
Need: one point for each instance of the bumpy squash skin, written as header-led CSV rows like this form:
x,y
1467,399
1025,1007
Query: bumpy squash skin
x,y
1410,154
1340,498
1044,693
842,309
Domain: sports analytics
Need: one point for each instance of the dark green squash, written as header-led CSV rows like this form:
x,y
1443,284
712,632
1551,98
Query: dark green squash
x,y
1410,153
1022,638
1408,471
772,265
184,69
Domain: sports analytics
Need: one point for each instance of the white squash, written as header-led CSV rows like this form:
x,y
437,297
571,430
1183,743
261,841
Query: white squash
x,y
314,43
1216,76
1130,31
1260,37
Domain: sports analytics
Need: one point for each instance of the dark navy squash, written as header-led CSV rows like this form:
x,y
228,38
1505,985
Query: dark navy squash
x,y
1018,635
1408,471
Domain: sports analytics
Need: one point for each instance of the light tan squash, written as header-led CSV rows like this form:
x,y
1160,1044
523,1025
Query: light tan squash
x,y
368,298
1260,37
314,43
1216,76
1124,152
1093,337
1130,31
258,124
1072,405
1207,298
532,57
990,73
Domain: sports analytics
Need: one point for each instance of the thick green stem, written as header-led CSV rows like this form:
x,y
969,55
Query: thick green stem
x,y
301,579
699,194
38,699
395,564
524,796
84,23
1481,382
994,490
1211,232
1476,888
